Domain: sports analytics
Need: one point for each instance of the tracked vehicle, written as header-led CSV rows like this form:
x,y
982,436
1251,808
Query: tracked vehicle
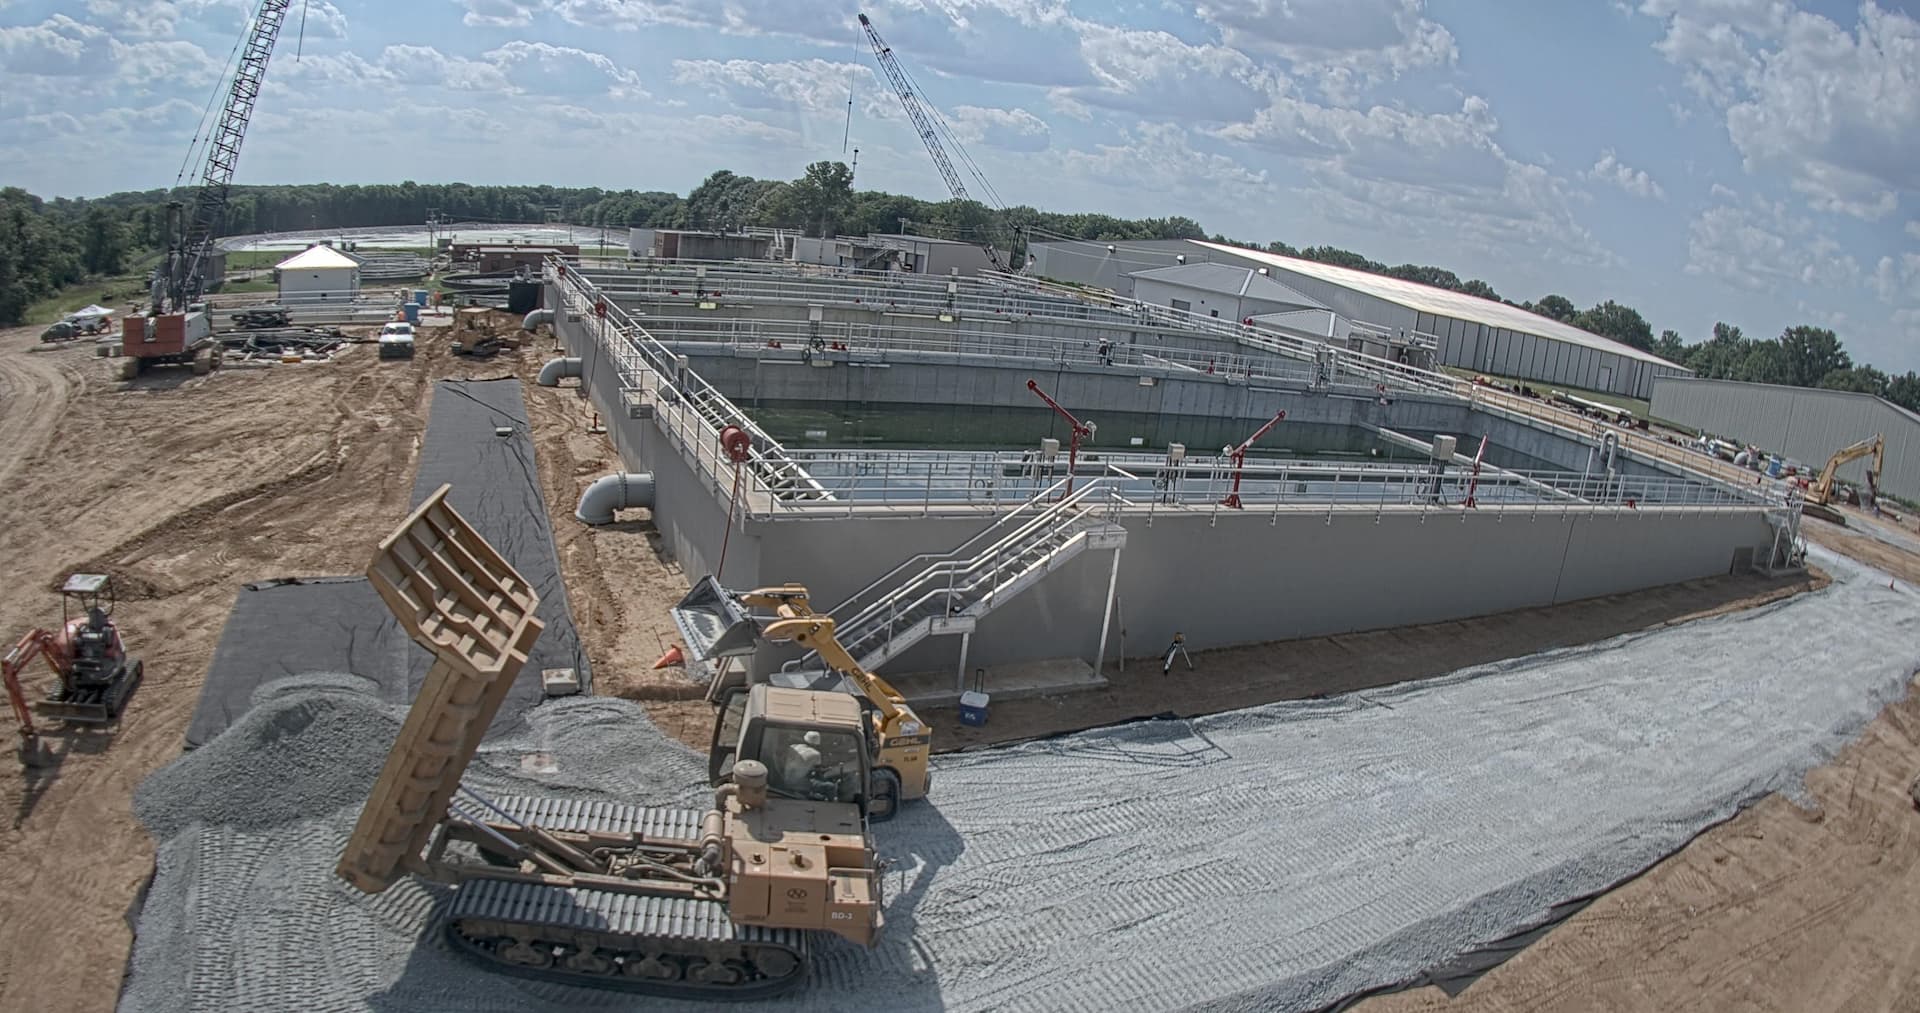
x,y
689,903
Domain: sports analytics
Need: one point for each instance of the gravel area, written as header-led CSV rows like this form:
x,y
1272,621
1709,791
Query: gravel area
x,y
1279,857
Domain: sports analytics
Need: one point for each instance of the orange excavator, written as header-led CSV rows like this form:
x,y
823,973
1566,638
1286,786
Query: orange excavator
x,y
90,663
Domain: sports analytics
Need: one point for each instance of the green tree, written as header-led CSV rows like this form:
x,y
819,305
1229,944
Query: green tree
x,y
1905,391
1670,347
1481,289
1555,307
820,198
1766,362
1811,353
1859,379
1621,323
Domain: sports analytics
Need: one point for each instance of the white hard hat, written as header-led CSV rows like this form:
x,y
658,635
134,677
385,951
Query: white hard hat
x,y
812,738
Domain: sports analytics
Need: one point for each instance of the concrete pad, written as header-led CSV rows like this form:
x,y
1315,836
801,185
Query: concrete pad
x,y
1051,677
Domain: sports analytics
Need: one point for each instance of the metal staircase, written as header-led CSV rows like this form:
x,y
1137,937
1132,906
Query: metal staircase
x,y
946,593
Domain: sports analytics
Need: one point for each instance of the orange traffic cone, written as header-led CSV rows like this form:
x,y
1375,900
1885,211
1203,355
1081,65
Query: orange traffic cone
x,y
671,658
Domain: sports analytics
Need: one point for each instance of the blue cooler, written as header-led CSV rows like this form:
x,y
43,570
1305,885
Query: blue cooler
x,y
973,708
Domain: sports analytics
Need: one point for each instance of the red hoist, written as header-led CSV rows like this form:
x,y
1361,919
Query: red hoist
x,y
1080,429
1239,456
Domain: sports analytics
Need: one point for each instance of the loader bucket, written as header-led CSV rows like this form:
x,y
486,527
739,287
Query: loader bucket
x,y
713,622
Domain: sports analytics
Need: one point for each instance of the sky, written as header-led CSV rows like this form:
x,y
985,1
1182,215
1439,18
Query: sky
x,y
1752,161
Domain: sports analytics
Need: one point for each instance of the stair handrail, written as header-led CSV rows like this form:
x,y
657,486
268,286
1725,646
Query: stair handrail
x,y
1043,496
950,568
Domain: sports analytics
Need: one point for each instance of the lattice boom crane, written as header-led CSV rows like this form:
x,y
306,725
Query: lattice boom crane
x,y
921,122
192,238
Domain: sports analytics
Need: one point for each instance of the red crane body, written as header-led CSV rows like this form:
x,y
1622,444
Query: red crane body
x,y
1080,429
1239,456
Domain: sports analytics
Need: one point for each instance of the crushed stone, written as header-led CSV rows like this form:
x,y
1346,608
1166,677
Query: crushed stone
x,y
1279,857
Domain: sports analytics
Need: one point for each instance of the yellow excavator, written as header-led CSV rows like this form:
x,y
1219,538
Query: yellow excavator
x,y
1820,494
719,628
700,904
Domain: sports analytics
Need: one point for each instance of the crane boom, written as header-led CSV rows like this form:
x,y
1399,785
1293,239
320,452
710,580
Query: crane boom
x,y
202,219
924,124
898,78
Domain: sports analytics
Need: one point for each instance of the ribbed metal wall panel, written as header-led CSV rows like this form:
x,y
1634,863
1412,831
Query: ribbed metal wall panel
x,y
1808,425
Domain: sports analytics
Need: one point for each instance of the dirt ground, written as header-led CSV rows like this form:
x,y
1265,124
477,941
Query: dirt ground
x,y
186,487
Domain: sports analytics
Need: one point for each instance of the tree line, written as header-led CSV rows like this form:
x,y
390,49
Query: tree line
x,y
46,245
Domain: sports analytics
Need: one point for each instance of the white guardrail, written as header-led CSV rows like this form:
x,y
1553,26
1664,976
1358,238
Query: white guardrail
x,y
777,482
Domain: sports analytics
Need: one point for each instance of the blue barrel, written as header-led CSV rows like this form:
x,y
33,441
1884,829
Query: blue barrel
x,y
1773,468
420,296
412,310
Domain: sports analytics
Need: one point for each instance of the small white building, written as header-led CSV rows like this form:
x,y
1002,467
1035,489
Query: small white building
x,y
318,274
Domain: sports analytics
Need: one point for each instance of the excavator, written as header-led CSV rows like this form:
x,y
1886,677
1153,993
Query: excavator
x,y
94,676
1820,494
718,628
700,904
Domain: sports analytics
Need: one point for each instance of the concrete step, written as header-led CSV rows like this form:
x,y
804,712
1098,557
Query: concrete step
x,y
1052,677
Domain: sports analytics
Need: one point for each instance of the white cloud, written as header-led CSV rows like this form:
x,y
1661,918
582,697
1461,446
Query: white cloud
x,y
1343,45
517,68
1160,159
1006,129
161,19
1723,192
58,46
1154,73
1762,247
498,13
1837,111
1897,280
1610,170
812,88
564,70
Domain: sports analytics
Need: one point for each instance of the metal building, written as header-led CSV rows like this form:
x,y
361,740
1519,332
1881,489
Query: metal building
x,y
1230,293
1798,422
319,274
1468,332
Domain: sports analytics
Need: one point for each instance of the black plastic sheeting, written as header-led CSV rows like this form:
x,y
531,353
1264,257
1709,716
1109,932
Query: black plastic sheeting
x,y
338,624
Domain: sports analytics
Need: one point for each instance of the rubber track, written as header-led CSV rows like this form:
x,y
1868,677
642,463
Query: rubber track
x,y
677,918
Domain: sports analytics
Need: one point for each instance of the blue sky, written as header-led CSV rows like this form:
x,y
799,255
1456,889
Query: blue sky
x,y
1755,161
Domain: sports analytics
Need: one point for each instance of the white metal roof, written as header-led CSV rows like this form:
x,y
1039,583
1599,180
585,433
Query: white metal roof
x,y
1440,301
317,258
1228,279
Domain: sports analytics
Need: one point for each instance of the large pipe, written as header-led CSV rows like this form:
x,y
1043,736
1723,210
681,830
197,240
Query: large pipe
x,y
555,369
617,491
536,318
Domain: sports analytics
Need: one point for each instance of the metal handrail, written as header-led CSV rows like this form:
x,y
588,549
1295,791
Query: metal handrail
x,y
1044,519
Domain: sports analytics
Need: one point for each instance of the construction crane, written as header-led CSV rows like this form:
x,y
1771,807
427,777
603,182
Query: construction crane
x,y
717,626
903,87
180,280
709,903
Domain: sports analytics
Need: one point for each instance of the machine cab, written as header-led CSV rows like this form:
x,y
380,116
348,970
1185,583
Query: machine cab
x,y
813,743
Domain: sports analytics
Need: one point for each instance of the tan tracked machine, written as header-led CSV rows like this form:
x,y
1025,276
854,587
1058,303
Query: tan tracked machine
x,y
719,903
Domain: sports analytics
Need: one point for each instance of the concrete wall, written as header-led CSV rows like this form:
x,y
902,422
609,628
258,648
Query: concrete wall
x,y
1808,425
1249,578
940,258
1220,577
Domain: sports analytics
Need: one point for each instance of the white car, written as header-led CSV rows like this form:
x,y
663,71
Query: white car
x,y
396,341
